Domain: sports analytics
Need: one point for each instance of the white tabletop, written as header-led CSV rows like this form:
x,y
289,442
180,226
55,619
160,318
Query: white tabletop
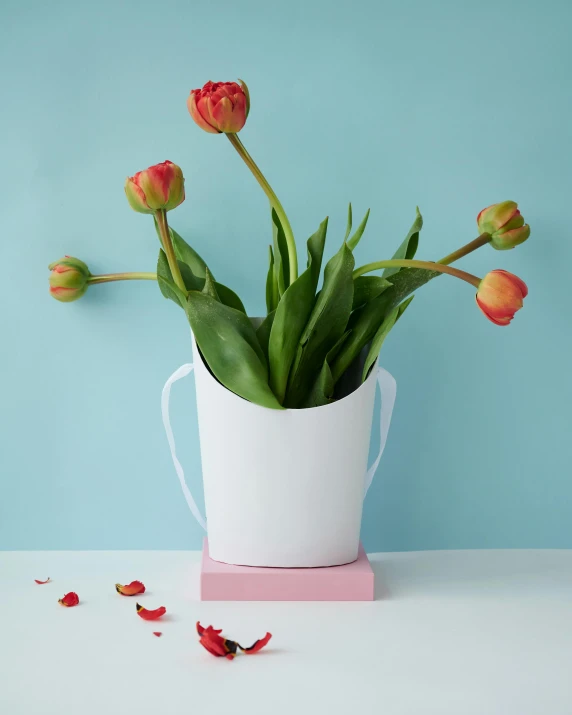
x,y
463,632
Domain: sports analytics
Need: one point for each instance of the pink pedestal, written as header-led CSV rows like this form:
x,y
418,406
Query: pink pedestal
x,y
221,582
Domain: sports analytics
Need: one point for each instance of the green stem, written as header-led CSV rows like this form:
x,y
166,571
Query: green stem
x,y
108,277
165,234
425,265
274,202
469,248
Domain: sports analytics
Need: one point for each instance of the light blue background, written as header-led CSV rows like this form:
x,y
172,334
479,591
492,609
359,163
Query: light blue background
x,y
449,105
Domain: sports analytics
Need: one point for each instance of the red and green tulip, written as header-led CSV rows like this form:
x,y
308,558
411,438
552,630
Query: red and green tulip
x,y
220,107
505,224
160,187
68,279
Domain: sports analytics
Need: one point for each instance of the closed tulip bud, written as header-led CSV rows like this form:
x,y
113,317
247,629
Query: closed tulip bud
x,y
68,279
505,225
159,187
220,107
499,295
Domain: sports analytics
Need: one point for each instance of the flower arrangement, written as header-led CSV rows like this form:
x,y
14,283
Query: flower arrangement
x,y
311,337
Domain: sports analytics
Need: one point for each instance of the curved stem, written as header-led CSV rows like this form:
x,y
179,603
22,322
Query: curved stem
x,y
274,202
425,265
469,248
108,277
161,215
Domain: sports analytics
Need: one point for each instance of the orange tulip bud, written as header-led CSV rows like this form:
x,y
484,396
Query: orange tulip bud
x,y
159,187
499,295
220,107
505,225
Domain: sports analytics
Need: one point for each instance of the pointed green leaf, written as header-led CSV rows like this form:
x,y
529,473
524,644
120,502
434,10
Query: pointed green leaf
x,y
272,296
263,332
322,392
408,248
325,326
292,314
382,332
231,349
349,226
281,261
210,287
355,239
367,288
365,321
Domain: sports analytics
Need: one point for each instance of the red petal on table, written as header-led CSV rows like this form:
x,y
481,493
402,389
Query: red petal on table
x,y
42,582
157,633
148,615
255,647
212,641
69,600
131,589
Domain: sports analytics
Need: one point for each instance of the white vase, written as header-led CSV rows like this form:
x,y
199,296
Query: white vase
x,y
283,488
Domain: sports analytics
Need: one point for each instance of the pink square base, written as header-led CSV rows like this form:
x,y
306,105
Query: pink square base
x,y
222,582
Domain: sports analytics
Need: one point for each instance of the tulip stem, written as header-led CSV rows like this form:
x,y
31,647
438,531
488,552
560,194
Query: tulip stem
x,y
165,234
274,202
108,277
425,265
469,248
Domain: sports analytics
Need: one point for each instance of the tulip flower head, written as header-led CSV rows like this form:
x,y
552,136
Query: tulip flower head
x,y
161,186
505,225
499,295
220,107
68,279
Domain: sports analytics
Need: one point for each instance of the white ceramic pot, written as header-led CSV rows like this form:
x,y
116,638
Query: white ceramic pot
x,y
283,488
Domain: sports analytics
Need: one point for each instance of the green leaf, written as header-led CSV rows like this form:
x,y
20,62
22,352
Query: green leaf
x,y
349,226
210,287
184,252
326,325
322,392
367,288
231,349
263,332
193,282
355,239
365,321
382,332
408,248
281,261
272,295
292,314
168,288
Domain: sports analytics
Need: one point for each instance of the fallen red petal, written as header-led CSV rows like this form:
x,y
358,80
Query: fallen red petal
x,y
212,641
148,615
258,645
131,589
69,600
42,582
157,633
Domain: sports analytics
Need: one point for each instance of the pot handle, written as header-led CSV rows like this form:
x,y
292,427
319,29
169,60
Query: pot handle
x,y
388,390
183,371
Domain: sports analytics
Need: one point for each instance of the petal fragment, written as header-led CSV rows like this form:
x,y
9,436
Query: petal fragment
x,y
148,615
42,582
131,589
69,600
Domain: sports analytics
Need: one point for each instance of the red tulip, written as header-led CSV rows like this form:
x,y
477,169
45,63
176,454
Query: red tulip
x,y
499,295
159,187
220,107
505,224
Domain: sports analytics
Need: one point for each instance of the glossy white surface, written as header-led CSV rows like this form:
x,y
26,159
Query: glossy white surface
x,y
465,633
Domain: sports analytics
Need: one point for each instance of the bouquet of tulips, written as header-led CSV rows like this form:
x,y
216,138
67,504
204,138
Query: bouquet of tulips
x,y
315,333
